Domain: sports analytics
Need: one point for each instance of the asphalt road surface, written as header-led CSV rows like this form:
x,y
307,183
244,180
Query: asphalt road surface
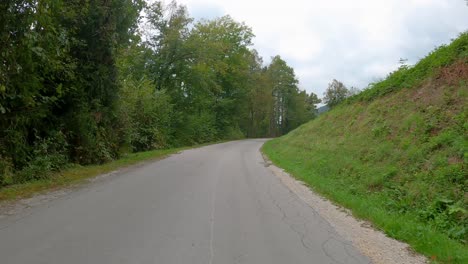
x,y
217,204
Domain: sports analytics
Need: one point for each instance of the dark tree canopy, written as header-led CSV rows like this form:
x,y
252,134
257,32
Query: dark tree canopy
x,y
84,81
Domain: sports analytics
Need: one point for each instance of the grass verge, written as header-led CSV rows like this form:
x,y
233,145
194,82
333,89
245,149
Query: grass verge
x,y
423,238
76,174
399,161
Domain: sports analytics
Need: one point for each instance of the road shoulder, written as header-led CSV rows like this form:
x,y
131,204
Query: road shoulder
x,y
373,243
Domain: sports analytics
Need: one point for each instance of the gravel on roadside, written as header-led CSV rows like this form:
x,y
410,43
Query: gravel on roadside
x,y
373,243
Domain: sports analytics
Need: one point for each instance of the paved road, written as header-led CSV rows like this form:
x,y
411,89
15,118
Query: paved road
x,y
216,204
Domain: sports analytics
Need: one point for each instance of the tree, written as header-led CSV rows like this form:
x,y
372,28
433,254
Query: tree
x,y
99,30
259,99
36,73
312,101
144,114
167,38
353,91
335,93
215,87
79,84
285,88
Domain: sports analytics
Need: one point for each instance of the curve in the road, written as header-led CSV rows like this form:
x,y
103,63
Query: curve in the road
x,y
164,212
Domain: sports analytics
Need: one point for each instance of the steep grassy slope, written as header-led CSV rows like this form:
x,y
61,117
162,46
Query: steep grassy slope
x,y
397,154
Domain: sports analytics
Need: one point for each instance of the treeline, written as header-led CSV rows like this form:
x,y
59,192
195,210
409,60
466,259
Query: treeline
x,y
80,82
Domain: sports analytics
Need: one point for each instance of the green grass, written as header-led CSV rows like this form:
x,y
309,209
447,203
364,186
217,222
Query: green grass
x,y
399,159
405,226
76,174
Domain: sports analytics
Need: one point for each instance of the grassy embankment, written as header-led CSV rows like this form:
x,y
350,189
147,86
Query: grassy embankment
x,y
396,154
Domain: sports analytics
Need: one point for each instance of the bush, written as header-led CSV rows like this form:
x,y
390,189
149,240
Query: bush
x,y
92,136
48,155
6,171
202,127
145,116
234,133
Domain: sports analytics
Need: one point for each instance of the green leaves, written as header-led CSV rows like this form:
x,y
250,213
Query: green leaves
x,y
335,93
56,76
82,69
291,107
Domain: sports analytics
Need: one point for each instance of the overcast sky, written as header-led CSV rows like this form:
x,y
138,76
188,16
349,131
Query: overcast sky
x,y
354,41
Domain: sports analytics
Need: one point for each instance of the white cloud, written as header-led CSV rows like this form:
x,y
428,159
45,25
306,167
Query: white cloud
x,y
352,41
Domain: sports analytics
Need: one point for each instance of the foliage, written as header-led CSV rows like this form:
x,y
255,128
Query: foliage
x,y
335,93
76,174
49,155
290,106
146,113
213,78
398,160
78,83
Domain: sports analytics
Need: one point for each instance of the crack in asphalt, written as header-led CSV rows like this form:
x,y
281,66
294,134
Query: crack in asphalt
x,y
299,223
268,221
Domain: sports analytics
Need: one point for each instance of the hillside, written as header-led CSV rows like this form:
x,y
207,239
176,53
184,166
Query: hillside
x,y
396,154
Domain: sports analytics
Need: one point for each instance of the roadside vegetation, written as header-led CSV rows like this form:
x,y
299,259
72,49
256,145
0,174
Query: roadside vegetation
x,y
396,154
87,82
74,174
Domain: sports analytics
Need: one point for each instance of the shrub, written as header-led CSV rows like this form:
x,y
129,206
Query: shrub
x,y
145,115
48,155
6,171
202,127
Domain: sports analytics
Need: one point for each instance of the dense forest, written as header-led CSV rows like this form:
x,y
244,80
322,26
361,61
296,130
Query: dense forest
x,y
85,81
